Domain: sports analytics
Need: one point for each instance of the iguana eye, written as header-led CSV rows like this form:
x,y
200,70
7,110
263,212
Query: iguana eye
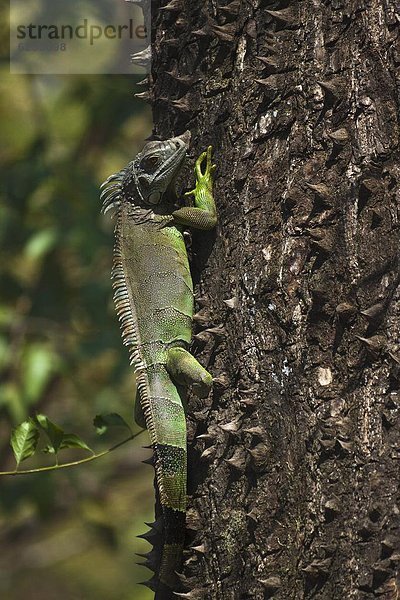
x,y
149,163
154,198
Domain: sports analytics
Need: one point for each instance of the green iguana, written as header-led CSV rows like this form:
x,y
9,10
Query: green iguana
x,y
154,302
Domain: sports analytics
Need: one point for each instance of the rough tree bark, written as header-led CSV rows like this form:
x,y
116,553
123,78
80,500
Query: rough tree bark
x,y
294,479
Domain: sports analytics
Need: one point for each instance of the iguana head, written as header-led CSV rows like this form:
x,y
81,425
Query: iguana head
x,y
146,179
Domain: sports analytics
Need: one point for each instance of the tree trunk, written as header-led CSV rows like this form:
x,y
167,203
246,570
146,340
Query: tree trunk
x,y
293,482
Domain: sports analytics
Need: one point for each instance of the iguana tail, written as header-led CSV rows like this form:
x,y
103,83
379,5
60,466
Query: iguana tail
x,y
165,420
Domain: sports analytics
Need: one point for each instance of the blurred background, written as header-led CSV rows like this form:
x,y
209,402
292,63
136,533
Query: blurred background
x,y
68,534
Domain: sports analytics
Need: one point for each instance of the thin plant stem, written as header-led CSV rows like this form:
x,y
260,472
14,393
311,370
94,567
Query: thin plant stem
x,y
75,463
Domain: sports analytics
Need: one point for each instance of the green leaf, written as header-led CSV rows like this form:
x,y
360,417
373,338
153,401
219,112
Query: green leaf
x,y
103,422
24,440
38,366
70,440
53,432
11,399
41,243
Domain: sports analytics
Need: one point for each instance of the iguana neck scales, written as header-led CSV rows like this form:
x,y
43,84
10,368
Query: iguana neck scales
x,y
154,302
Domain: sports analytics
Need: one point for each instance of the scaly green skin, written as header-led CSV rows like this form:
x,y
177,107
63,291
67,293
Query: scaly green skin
x,y
154,301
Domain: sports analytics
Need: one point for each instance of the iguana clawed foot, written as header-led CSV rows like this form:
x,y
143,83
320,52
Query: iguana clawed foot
x,y
203,179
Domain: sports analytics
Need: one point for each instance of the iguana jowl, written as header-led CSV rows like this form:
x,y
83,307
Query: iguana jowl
x,y
154,302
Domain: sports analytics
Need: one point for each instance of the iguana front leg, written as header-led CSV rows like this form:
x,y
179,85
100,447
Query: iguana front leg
x,y
203,215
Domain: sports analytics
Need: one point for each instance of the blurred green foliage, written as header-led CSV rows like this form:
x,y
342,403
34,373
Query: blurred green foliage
x,y
68,535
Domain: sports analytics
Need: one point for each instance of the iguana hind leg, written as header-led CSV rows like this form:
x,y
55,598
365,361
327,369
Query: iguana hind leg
x,y
186,370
